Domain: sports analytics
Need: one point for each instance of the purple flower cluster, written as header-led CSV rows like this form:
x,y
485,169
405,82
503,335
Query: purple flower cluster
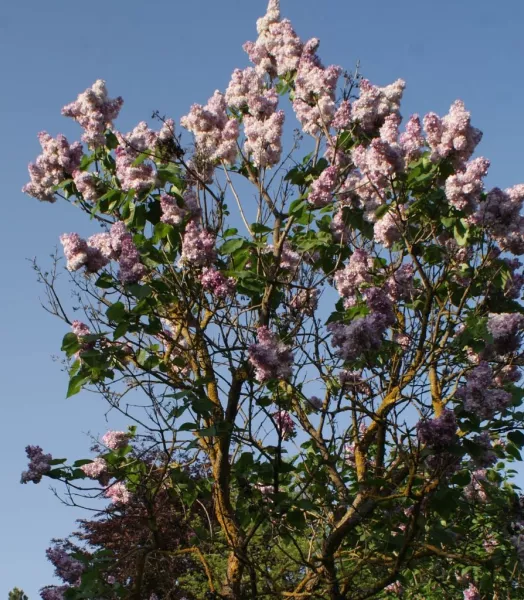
x,y
284,423
322,189
472,593
67,568
54,592
198,246
475,490
500,213
58,161
452,136
505,329
479,395
215,282
173,213
131,269
264,138
94,111
339,230
386,231
439,432
270,357
379,162
342,118
215,133
360,336
143,140
486,456
115,439
87,185
39,464
132,176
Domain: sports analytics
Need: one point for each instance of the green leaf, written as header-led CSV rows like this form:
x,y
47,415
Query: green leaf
x,y
105,281
231,245
76,383
116,312
70,344
139,291
259,228
517,437
382,210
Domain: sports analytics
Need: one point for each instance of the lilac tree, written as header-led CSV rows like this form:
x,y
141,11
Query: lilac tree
x,y
333,329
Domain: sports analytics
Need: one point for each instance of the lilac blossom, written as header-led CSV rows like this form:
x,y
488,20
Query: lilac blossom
x,y
352,381
96,468
284,423
173,213
198,246
452,136
137,177
505,329
39,464
94,111
339,230
143,140
215,134
360,336
387,230
316,402
322,189
379,162
342,118
475,491
305,301
118,493
270,357
439,432
472,593
395,588
375,103
399,285
464,188
58,161
479,395
67,568
485,457
354,274
216,283
131,269
114,440
54,592
87,185
412,140
264,138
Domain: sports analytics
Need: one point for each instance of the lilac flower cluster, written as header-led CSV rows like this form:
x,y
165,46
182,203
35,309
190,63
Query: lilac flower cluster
x,y
486,457
374,104
215,134
316,402
94,111
118,493
81,330
395,588
54,592
39,464
264,138
284,423
322,189
472,593
439,432
352,381
342,118
315,87
198,246
479,395
58,161
115,439
452,136
87,184
500,213
99,249
143,140
215,282
278,49
505,329
95,469
339,230
356,273
305,301
475,490
174,214
387,230
67,568
360,336
270,357
463,189
132,176
379,162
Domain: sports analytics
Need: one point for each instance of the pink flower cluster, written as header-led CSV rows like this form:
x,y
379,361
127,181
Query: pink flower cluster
x,y
94,111
99,249
198,246
39,464
322,188
95,469
463,189
284,424
216,283
439,432
374,104
278,49
452,136
315,87
115,439
387,230
58,161
118,493
143,140
137,177
479,395
356,273
475,491
67,568
472,593
395,588
305,301
87,185
215,133
173,213
270,357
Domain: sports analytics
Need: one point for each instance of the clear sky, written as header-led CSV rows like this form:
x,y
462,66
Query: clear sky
x,y
164,56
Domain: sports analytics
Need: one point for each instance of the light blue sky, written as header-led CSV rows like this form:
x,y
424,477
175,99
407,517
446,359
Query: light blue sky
x,y
166,55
